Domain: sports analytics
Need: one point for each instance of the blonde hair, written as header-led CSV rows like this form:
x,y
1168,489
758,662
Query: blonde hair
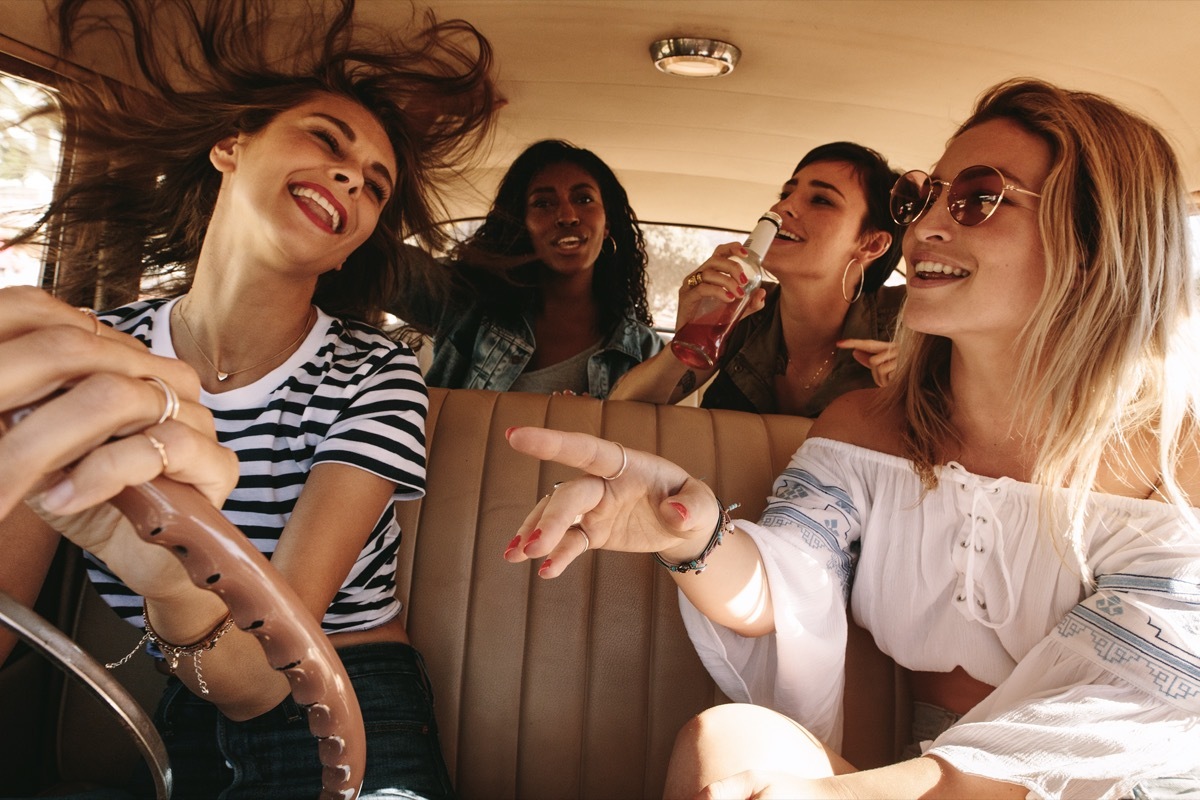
x,y
1109,353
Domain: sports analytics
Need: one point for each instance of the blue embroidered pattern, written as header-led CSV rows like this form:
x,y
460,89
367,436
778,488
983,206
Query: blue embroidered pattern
x,y
1180,591
824,516
1144,657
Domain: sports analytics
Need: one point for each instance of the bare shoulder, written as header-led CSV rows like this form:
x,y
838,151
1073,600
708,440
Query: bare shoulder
x,y
1188,471
860,418
1137,472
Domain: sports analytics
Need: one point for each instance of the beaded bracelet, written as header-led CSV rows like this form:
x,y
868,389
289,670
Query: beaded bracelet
x,y
697,564
174,652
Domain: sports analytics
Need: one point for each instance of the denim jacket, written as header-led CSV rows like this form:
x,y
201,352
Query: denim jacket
x,y
755,354
473,350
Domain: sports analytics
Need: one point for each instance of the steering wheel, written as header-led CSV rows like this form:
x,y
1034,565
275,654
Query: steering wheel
x,y
219,558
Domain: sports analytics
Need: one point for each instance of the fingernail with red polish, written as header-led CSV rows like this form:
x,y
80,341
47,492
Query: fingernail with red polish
x,y
742,278
516,540
681,509
544,568
729,294
531,538
508,433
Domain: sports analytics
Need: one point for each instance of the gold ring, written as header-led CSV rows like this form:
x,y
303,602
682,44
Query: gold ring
x,y
96,323
624,464
171,404
694,280
161,448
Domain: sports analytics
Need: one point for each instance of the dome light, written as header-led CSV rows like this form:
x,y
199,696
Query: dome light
x,y
695,57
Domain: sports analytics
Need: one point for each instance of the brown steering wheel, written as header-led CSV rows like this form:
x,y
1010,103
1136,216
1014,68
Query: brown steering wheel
x,y
219,558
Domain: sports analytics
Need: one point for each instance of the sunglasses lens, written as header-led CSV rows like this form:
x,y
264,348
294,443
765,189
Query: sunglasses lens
x,y
909,197
975,194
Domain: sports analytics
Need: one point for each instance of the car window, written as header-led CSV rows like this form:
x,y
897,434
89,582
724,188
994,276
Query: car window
x,y
30,158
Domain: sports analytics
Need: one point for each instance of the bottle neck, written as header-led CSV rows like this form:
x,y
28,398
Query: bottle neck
x,y
763,234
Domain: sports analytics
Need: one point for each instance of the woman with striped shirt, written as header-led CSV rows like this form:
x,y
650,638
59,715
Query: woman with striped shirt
x,y
283,187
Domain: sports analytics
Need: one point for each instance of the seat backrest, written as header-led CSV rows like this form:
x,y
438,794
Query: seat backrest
x,y
573,687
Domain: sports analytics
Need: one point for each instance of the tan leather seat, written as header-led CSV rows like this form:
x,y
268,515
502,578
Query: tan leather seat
x,y
576,687
570,688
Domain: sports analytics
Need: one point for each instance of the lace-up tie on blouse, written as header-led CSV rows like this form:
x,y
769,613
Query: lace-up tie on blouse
x,y
980,549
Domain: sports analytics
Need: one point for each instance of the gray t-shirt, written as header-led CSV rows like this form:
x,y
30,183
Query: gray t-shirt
x,y
570,375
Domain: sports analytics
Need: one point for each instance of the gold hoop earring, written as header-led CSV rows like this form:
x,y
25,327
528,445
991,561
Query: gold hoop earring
x,y
607,240
862,279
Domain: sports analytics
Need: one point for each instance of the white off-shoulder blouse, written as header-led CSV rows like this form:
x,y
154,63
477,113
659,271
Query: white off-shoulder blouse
x,y
1097,691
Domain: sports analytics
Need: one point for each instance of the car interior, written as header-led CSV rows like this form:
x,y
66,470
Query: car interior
x,y
575,688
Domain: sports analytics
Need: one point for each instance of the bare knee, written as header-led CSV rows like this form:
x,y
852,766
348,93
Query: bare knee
x,y
733,738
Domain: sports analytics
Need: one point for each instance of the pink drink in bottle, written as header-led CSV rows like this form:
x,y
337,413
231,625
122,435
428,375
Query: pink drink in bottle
x,y
699,341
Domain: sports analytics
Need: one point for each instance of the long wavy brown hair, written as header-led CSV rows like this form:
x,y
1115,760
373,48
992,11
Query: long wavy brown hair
x,y
142,190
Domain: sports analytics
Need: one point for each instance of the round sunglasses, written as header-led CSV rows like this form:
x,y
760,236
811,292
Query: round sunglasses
x,y
975,194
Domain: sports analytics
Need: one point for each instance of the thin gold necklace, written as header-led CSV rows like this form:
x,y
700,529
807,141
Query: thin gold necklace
x,y
820,370
223,376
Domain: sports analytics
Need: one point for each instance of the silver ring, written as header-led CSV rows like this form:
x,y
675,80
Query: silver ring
x,y
161,448
96,323
624,464
587,541
171,404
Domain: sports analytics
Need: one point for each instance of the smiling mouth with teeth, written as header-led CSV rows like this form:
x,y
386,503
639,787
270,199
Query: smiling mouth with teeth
x,y
315,198
569,242
788,235
932,269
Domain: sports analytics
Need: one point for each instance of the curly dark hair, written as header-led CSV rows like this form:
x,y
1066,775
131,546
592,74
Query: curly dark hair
x,y
877,179
498,261
142,190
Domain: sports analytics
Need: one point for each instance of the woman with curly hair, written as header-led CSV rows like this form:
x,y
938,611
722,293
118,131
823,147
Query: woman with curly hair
x,y
549,295
277,171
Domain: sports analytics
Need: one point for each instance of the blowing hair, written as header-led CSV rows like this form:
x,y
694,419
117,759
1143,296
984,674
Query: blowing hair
x,y
877,179
1107,358
497,261
142,189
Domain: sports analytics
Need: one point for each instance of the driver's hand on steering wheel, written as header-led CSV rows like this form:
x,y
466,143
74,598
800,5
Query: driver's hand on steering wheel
x,y
106,414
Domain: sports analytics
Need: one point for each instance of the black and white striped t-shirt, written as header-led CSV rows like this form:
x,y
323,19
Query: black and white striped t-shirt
x,y
348,395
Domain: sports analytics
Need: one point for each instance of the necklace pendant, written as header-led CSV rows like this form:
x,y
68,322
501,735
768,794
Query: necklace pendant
x,y
221,376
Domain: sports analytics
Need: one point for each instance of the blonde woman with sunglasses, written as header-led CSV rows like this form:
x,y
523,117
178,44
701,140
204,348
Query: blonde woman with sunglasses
x,y
1013,519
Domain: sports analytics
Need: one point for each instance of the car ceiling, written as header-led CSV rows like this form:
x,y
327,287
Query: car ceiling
x,y
897,75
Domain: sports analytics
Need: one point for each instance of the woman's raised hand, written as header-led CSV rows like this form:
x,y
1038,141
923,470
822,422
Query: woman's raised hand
x,y
877,356
627,500
98,419
721,278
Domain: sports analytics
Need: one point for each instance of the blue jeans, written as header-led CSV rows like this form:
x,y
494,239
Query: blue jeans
x,y
274,756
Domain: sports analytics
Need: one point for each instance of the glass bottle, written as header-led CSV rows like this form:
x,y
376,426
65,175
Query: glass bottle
x,y
698,343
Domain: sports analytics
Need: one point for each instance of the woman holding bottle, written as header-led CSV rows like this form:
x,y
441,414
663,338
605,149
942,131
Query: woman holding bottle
x,y
824,328
549,295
